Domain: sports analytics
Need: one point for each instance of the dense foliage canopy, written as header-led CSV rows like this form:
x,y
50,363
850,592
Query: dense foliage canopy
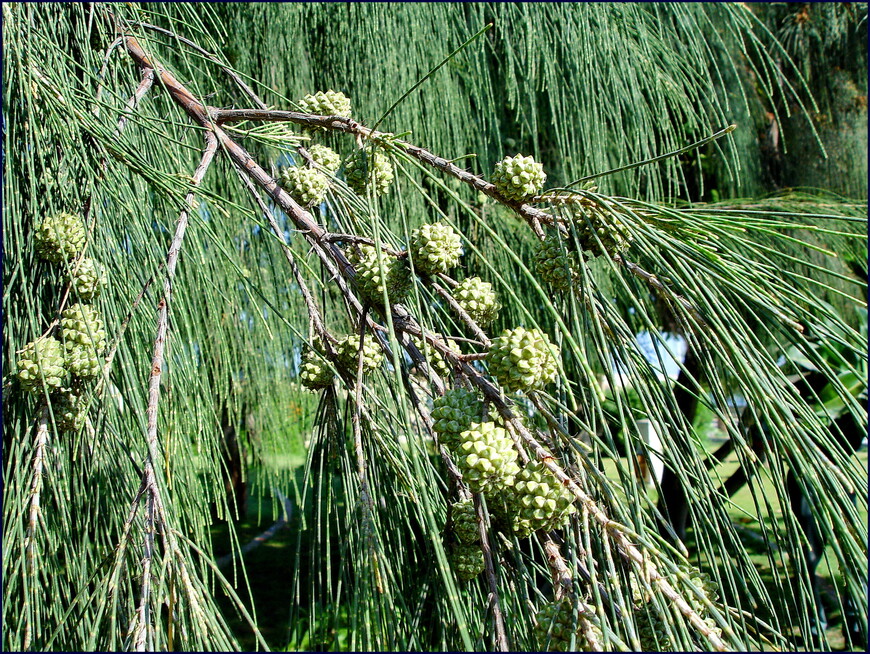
x,y
183,260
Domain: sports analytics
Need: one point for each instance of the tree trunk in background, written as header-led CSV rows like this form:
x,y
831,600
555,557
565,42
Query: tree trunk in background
x,y
827,43
844,135
234,465
673,503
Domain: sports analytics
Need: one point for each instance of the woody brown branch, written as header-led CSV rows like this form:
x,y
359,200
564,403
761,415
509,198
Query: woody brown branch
x,y
501,639
209,118
154,500
313,312
533,216
350,126
146,83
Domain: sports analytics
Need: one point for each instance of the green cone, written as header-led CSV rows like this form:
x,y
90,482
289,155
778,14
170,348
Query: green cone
x,y
486,456
326,103
556,264
438,364
315,373
84,339
42,359
306,186
518,178
372,279
589,222
88,280
540,501
477,299
555,625
70,407
60,237
520,359
347,350
362,169
465,522
435,248
453,413
326,157
467,561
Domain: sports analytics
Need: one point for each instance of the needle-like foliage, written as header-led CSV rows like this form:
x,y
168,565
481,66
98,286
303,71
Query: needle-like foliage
x,y
164,128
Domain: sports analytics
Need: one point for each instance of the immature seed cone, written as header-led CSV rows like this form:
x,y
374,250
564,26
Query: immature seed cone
x,y
486,456
42,359
651,629
315,372
60,237
589,222
326,157
70,407
305,185
467,561
347,348
499,503
703,582
465,522
362,169
519,177
435,248
477,299
555,624
453,413
438,364
521,360
88,279
540,501
556,264
372,279
84,340
326,103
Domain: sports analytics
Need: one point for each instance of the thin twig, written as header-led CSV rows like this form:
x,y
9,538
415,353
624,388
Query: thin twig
x,y
463,315
146,83
501,640
473,356
447,279
584,573
163,305
657,285
365,496
143,613
420,360
36,485
563,584
229,71
210,118
173,551
102,75
227,586
116,341
120,550
332,237
154,501
306,155
314,314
